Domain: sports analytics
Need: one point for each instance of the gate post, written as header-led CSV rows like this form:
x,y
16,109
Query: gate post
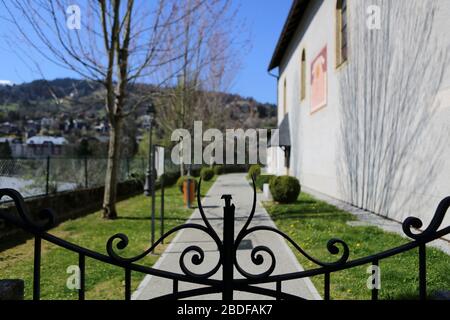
x,y
228,248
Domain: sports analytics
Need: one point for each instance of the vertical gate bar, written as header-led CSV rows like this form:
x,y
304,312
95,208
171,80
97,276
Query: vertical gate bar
x,y
175,286
82,266
127,284
375,263
423,271
152,191
47,177
162,208
228,248
278,290
327,286
37,269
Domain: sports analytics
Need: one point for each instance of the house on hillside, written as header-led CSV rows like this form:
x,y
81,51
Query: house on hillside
x,y
42,146
7,128
364,103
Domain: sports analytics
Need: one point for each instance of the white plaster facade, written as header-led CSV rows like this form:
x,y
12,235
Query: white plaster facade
x,y
317,137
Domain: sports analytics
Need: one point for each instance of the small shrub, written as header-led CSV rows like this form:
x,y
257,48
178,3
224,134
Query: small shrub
x,y
196,171
219,170
262,180
184,178
170,178
207,174
230,168
254,171
285,189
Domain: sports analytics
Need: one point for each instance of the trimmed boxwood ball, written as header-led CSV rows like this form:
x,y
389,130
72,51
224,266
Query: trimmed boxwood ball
x,y
285,189
195,172
170,178
207,174
184,178
254,171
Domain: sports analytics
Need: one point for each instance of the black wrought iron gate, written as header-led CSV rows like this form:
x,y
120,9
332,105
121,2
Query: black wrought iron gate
x,y
227,249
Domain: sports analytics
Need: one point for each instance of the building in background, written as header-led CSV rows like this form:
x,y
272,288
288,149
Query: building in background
x,y
38,147
364,92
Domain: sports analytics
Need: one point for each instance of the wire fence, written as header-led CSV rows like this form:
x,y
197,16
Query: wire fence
x,y
44,176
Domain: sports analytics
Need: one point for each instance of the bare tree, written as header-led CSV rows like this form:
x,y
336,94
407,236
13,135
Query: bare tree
x,y
388,91
211,38
119,42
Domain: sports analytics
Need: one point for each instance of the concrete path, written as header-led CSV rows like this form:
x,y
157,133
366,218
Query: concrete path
x,y
238,187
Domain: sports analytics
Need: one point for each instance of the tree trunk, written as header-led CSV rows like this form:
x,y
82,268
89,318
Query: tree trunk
x,y
110,195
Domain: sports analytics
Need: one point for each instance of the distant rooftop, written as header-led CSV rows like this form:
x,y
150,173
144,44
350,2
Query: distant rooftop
x,y
46,139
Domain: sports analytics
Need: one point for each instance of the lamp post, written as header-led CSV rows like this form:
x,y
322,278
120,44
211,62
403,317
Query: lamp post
x,y
148,176
152,192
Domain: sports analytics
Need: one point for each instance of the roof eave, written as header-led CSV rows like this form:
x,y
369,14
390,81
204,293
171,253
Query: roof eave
x,y
294,17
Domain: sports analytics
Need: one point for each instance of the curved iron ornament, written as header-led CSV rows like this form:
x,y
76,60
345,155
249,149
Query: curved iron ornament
x,y
258,259
198,253
227,253
432,229
47,215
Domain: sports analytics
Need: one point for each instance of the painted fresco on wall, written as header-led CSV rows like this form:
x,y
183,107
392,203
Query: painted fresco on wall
x,y
319,81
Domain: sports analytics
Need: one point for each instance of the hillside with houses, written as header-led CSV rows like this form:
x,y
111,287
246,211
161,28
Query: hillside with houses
x,y
66,117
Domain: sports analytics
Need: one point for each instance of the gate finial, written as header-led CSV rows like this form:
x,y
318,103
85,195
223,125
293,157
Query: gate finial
x,y
227,198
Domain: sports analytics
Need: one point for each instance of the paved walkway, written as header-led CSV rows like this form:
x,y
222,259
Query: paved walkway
x,y
238,187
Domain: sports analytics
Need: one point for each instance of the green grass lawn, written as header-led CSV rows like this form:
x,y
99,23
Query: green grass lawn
x,y
9,107
103,281
312,223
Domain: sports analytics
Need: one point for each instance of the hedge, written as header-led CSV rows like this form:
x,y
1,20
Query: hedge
x,y
207,174
254,171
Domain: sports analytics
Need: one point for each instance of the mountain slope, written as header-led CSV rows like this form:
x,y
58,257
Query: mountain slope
x,y
80,98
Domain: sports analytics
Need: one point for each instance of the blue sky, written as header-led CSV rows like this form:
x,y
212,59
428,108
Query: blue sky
x,y
265,19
